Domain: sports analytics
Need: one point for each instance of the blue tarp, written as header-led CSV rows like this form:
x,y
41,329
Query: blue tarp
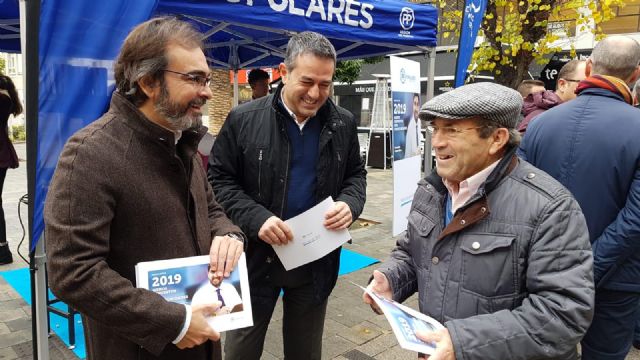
x,y
80,39
9,26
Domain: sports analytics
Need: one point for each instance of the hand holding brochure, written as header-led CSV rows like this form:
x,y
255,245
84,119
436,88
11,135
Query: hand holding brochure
x,y
187,281
405,322
311,240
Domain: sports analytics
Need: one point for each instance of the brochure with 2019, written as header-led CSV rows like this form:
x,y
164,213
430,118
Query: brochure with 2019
x,y
405,322
188,281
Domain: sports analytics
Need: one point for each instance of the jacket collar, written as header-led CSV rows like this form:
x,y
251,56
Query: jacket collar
x,y
136,120
477,208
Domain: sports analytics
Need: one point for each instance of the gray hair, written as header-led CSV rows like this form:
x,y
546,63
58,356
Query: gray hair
x,y
144,53
488,127
617,56
308,42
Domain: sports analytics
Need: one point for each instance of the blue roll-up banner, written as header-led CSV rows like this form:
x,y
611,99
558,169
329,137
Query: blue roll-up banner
x,y
407,137
471,20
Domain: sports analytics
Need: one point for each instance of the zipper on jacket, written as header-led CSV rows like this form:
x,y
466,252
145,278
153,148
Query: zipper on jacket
x,y
259,173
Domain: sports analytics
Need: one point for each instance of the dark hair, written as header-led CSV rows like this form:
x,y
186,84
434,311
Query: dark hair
x,y
257,74
526,85
144,53
568,69
489,126
308,42
7,84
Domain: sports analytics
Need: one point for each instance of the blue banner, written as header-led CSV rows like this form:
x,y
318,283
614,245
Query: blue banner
x,y
10,29
471,21
79,39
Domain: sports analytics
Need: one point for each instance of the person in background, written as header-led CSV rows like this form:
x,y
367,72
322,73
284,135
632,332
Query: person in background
x,y
496,249
9,105
414,133
259,83
129,188
536,103
528,87
275,158
591,146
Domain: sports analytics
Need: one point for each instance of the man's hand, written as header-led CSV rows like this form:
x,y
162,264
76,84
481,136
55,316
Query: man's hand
x,y
275,232
444,346
339,217
199,330
224,254
379,285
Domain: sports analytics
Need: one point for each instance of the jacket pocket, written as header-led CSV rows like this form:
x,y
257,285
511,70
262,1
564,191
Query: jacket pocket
x,y
419,229
489,264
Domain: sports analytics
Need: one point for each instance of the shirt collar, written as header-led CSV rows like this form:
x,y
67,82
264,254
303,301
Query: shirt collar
x,y
293,115
473,182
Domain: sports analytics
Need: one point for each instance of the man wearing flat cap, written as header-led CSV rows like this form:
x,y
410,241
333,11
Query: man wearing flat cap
x,y
497,250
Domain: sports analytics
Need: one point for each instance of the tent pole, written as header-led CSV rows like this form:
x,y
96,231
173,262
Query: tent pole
x,y
235,87
29,21
431,70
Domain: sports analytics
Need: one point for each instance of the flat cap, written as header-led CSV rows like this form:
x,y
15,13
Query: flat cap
x,y
485,99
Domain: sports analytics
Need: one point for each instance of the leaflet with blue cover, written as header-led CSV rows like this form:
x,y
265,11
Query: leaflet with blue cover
x,y
405,322
189,281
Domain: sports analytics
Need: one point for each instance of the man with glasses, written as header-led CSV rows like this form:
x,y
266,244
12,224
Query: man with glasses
x,y
129,188
496,249
536,103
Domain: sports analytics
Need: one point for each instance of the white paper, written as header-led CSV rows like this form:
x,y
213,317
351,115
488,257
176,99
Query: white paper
x,y
311,240
405,321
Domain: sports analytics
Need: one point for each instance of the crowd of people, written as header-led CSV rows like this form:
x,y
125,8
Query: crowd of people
x,y
524,241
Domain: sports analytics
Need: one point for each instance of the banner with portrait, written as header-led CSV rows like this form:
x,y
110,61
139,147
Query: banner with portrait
x,y
407,137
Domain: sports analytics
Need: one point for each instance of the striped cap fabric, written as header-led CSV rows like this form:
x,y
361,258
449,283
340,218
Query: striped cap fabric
x,y
485,99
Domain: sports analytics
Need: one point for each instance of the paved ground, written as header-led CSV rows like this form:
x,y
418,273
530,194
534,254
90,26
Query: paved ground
x,y
352,331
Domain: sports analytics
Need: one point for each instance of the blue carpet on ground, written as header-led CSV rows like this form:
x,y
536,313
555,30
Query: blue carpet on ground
x,y
350,261
19,280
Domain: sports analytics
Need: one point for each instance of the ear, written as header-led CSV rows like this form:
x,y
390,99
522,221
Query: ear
x,y
634,77
149,86
588,68
561,85
283,72
499,140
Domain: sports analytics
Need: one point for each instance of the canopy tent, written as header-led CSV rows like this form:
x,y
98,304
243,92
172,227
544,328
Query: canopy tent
x,y
9,26
72,78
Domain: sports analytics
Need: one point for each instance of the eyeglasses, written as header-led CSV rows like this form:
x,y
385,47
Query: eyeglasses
x,y
571,80
194,79
450,131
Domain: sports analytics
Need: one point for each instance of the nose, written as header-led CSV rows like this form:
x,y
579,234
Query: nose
x,y
205,91
314,92
438,140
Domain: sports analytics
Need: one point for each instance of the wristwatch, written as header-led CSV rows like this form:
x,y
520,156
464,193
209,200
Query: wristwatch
x,y
235,236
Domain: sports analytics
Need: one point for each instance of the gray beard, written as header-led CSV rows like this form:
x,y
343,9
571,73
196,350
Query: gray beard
x,y
177,115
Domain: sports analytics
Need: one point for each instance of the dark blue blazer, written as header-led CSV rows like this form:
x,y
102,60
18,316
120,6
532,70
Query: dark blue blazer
x,y
592,146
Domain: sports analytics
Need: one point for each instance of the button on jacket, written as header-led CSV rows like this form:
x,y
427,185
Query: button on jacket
x,y
510,276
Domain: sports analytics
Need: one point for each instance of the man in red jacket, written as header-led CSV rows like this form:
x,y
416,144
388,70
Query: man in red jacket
x,y
536,103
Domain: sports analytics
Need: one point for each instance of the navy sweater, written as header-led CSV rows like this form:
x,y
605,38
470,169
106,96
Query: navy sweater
x,y
301,193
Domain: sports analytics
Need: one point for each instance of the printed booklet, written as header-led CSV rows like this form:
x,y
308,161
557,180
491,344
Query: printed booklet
x,y
188,281
405,322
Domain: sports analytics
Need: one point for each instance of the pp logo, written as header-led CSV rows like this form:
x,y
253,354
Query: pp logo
x,y
406,18
403,76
